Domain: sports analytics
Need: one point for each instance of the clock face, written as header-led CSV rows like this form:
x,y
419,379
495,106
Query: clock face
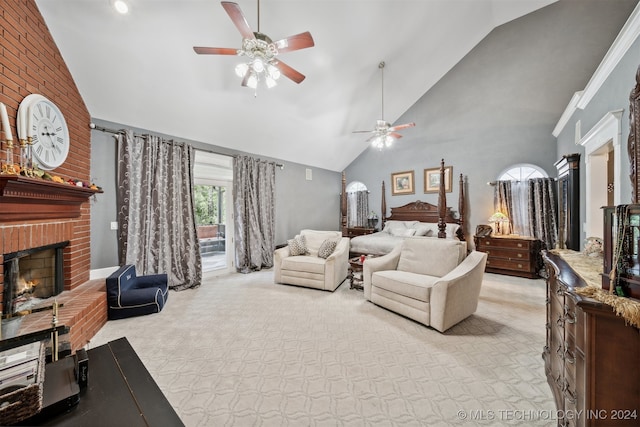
x,y
50,136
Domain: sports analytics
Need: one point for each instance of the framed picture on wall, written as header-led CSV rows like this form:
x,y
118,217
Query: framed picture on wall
x,y
432,179
402,183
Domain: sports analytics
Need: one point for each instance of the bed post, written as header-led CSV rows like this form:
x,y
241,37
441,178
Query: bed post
x,y
343,205
383,207
460,233
442,204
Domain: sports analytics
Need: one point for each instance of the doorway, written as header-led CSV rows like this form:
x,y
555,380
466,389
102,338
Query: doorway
x,y
603,155
213,174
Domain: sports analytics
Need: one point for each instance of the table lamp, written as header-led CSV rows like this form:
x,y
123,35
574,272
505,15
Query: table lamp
x,y
498,218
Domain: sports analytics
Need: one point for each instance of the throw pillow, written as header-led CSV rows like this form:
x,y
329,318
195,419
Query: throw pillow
x,y
326,248
297,246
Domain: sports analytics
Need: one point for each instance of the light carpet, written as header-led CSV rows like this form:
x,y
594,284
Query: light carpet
x,y
243,351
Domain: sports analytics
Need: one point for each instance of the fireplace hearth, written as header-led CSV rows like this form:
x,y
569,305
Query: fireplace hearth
x,y
31,277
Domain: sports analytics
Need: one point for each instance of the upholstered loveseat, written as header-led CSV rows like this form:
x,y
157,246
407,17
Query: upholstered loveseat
x,y
312,269
131,295
432,281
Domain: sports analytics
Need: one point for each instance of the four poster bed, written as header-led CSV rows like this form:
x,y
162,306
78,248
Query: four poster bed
x,y
413,219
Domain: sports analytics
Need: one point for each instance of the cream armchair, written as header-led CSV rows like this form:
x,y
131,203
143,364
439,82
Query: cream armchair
x,y
429,280
311,270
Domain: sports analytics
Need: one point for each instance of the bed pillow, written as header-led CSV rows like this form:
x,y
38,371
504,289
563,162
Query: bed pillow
x,y
407,232
326,248
426,229
395,225
297,246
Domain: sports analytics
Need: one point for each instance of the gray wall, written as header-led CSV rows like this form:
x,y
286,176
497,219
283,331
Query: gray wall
x,y
499,105
300,203
613,95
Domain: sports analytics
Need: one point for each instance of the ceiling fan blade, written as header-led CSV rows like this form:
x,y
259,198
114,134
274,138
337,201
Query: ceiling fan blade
x,y
396,135
245,79
236,15
288,71
363,131
399,127
297,42
215,50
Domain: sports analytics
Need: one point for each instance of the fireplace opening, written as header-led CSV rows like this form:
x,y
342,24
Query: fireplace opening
x,y
31,277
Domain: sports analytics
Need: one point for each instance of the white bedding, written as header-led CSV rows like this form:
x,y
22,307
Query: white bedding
x,y
394,232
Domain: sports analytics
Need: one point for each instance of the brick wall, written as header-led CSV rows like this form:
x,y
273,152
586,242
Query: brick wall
x,y
31,63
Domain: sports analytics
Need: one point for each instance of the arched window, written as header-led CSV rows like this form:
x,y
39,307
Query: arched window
x,y
522,172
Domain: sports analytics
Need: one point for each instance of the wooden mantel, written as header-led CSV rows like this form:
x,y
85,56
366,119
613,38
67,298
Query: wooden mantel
x,y
23,198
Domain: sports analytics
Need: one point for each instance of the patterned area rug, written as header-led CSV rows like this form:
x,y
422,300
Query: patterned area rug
x,y
242,351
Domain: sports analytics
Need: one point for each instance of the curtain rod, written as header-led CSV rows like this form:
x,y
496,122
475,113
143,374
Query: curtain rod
x,y
115,131
496,182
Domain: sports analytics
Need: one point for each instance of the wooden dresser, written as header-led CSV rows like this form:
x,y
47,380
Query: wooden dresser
x,y
590,356
512,255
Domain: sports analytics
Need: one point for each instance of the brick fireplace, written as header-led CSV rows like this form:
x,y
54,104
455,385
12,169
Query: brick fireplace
x,y
36,214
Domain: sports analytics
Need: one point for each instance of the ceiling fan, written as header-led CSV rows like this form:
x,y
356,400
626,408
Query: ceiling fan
x,y
261,51
384,134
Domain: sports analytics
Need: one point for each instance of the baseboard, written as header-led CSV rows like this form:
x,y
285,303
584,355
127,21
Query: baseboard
x,y
101,273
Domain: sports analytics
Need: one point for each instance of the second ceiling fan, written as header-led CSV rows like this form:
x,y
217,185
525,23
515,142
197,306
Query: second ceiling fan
x,y
384,134
261,51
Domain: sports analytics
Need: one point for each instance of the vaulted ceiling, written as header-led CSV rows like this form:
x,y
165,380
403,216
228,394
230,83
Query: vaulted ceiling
x,y
140,69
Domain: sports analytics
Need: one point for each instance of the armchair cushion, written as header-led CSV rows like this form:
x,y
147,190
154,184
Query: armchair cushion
x,y
129,295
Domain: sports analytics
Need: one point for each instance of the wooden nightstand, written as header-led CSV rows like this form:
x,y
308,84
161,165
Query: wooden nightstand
x,y
512,255
359,231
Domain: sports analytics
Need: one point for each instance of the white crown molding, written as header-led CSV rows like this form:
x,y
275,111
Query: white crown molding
x,y
627,36
568,112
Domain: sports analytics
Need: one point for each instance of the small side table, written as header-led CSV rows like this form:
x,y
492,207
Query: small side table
x,y
355,277
355,273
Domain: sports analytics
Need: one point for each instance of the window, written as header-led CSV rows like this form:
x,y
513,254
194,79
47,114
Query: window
x,y
522,172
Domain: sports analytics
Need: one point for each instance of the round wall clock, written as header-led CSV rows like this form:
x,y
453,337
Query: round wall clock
x,y
48,130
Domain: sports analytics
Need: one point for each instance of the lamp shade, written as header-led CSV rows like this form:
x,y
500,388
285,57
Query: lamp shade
x,y
498,217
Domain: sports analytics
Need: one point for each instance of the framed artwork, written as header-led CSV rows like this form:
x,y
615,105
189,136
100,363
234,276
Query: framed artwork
x,y
432,179
402,183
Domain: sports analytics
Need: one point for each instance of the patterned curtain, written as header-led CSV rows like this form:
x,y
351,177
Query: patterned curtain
x,y
155,209
254,207
542,210
503,202
357,208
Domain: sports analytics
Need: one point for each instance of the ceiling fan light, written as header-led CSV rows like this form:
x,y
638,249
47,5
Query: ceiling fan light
x,y
121,6
252,81
388,141
241,69
270,82
273,72
258,66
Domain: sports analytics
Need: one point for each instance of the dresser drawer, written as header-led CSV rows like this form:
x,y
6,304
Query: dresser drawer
x,y
504,243
505,264
510,254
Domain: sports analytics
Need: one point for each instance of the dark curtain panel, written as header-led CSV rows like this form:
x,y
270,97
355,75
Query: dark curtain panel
x,y
254,207
503,202
542,210
155,209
